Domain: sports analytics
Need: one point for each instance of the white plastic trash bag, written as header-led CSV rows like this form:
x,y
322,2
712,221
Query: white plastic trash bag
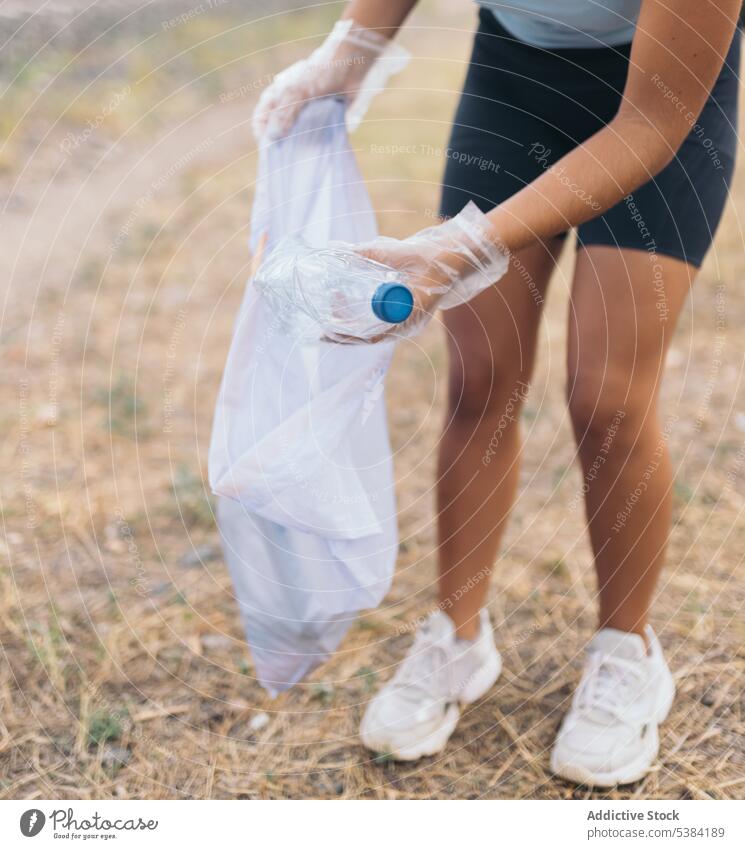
x,y
300,455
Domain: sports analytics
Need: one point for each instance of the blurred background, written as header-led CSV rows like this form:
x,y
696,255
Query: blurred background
x,y
126,178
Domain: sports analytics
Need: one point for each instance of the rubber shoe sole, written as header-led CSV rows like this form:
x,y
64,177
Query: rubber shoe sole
x,y
436,739
628,773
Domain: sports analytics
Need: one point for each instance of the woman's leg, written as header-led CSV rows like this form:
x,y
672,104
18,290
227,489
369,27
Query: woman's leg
x,y
624,307
491,344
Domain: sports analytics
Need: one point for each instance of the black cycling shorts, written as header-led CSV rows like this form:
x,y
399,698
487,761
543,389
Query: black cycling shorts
x,y
525,107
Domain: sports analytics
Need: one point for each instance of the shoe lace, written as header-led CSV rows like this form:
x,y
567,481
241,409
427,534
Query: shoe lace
x,y
427,669
609,684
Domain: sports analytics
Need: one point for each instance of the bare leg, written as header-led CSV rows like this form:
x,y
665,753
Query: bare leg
x,y
622,317
491,343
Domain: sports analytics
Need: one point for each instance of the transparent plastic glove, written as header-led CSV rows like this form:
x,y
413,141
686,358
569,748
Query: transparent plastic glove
x,y
353,62
443,266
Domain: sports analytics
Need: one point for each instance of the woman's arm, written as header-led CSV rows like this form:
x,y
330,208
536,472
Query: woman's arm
x,y
383,17
676,57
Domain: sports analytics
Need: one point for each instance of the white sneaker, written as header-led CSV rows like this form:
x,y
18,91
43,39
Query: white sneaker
x,y
610,734
417,711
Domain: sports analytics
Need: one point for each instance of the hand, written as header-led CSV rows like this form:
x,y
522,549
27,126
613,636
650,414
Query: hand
x,y
444,266
340,66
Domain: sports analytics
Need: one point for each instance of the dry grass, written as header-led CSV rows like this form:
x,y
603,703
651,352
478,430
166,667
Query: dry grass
x,y
124,673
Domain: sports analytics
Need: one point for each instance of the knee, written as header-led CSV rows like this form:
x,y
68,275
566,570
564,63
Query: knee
x,y
605,414
482,391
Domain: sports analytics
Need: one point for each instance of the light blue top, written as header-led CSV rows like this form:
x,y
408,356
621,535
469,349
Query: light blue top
x,y
568,23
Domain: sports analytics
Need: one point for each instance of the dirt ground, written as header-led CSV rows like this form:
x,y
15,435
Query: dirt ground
x,y
126,174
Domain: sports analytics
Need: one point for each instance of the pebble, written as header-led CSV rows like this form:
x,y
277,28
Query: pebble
x,y
199,555
259,721
115,756
216,641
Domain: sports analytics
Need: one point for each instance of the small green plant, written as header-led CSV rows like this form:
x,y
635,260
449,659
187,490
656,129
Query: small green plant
x,y
323,693
369,677
682,492
103,726
192,501
559,475
126,412
557,567
46,641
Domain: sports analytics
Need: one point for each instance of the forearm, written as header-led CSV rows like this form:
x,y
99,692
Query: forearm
x,y
583,184
676,56
383,17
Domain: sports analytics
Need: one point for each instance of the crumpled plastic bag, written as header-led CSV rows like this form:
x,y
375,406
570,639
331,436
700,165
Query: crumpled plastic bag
x,y
300,456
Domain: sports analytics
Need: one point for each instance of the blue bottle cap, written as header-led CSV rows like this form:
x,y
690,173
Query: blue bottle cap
x,y
392,302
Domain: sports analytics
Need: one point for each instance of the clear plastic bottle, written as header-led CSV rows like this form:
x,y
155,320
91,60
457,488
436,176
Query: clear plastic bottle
x,y
330,292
